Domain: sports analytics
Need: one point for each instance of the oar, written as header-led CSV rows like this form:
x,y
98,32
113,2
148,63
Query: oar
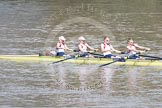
x,y
159,58
92,52
74,56
64,59
109,63
125,58
95,54
102,54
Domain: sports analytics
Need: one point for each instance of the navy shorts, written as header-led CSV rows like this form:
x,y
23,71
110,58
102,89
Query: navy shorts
x,y
134,56
109,56
85,54
60,53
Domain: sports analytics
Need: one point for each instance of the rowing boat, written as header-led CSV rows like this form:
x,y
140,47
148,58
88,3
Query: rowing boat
x,y
80,60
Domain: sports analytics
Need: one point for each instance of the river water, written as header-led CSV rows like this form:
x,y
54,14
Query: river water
x,y
32,26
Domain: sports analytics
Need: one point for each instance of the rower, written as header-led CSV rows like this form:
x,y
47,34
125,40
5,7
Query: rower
x,y
84,47
133,49
107,49
61,46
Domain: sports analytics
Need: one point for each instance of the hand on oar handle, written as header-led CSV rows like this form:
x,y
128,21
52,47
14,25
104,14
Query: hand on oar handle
x,y
141,52
70,49
95,50
123,52
147,49
75,50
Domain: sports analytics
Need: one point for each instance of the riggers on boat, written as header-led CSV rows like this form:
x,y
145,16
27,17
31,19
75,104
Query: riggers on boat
x,y
79,60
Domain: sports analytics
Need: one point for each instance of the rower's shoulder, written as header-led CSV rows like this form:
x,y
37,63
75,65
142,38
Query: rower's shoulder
x,y
129,47
135,44
102,43
58,43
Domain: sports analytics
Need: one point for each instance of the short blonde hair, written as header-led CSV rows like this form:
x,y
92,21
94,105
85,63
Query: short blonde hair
x,y
106,37
129,39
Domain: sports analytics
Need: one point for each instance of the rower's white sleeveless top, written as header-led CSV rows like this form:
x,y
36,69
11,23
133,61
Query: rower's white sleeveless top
x,y
107,47
84,47
61,49
132,52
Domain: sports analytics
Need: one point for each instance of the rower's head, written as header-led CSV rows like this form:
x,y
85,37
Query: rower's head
x,y
130,41
62,39
106,39
81,39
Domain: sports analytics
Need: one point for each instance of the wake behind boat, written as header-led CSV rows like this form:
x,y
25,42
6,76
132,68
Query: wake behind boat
x,y
79,60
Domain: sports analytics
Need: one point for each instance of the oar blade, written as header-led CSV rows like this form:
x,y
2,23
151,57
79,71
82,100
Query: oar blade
x,y
123,59
109,63
63,60
106,64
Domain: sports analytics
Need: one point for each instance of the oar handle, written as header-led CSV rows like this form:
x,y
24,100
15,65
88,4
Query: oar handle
x,y
75,50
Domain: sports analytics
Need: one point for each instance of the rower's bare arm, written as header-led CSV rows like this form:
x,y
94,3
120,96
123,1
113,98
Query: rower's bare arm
x,y
102,48
148,49
117,51
135,50
67,48
88,46
143,48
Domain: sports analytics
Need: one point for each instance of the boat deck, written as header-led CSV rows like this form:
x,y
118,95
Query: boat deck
x,y
80,60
